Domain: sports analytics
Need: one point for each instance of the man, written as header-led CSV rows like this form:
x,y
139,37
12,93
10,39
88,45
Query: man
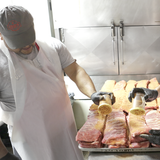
x,y
149,95
34,100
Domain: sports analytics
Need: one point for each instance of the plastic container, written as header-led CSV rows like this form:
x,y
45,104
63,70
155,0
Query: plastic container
x,y
105,105
138,104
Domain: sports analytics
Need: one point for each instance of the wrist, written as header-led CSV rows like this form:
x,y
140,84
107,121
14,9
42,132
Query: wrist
x,y
92,94
155,94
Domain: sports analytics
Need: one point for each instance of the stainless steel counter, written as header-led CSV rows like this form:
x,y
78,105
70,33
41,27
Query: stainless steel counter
x,y
125,156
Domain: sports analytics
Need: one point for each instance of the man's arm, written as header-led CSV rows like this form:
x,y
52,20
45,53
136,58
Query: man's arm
x,y
81,78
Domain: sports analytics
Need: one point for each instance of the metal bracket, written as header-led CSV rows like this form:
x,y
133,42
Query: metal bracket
x,y
113,34
113,29
121,26
62,37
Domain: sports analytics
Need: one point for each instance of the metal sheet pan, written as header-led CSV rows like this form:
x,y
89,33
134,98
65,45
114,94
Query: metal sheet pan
x,y
150,149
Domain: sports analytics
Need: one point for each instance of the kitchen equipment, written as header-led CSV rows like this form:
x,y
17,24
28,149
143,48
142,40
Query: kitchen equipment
x,y
138,104
105,105
123,150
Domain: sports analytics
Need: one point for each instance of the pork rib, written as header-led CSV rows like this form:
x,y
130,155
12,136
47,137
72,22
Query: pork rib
x,y
152,85
119,93
144,144
115,132
137,125
108,86
153,119
142,83
91,133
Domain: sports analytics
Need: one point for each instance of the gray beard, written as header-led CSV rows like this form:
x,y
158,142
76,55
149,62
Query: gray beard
x,y
31,55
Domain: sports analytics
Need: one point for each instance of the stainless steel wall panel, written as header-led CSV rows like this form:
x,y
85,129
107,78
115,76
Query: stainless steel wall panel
x,y
77,13
140,50
93,49
87,35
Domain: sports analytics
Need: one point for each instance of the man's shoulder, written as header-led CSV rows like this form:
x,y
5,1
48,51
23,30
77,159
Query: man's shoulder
x,y
49,41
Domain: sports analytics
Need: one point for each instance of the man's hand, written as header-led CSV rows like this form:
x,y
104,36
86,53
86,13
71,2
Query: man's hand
x,y
153,138
149,94
97,96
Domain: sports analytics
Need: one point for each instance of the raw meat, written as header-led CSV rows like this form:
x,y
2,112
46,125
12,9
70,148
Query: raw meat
x,y
158,102
137,125
115,132
153,119
90,135
152,85
108,86
117,146
140,145
119,93
120,85
93,107
126,104
142,83
149,84
95,144
130,85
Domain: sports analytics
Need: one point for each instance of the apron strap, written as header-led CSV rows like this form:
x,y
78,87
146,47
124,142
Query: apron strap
x,y
37,46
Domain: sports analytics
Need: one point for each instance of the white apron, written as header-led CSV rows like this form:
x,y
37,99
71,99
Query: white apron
x,y
43,126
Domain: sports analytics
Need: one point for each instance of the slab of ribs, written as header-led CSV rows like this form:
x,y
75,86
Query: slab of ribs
x,y
120,128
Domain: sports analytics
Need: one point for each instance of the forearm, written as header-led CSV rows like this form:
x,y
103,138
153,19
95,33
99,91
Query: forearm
x,y
84,82
3,149
81,78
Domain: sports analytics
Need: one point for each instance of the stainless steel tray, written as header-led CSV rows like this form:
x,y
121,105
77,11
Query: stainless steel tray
x,y
151,149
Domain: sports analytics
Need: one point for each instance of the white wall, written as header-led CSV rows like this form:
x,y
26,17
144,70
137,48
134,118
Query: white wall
x,y
81,111
39,11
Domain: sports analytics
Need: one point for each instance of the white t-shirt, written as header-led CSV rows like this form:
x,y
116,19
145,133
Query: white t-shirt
x,y
6,93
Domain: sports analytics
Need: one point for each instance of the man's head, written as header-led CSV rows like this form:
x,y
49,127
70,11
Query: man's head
x,y
16,27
